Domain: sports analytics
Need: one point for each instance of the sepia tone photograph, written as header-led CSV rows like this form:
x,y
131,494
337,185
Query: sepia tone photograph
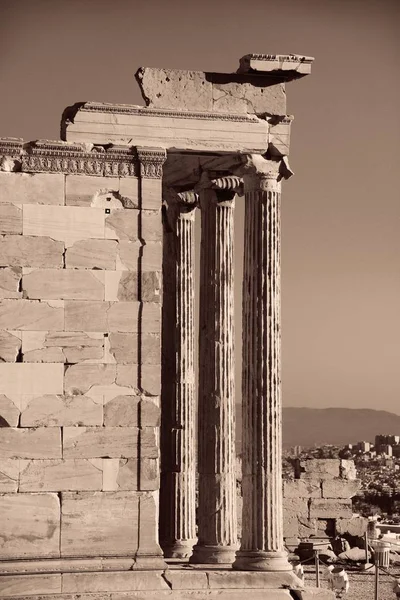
x,y
199,300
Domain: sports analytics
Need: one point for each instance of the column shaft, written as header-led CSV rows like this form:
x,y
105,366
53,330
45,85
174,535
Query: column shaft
x,y
217,529
262,527
178,437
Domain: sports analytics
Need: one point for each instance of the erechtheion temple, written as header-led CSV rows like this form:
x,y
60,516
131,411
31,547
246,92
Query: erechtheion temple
x,y
117,467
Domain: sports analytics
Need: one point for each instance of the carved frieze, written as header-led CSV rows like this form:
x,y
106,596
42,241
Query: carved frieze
x,y
151,162
71,159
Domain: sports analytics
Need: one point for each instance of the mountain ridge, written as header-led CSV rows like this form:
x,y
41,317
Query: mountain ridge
x,y
337,426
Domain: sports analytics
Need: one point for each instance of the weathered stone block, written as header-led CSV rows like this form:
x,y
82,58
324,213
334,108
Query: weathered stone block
x,y
307,527
98,442
151,230
150,381
30,443
60,346
99,524
148,525
330,509
151,198
9,475
85,190
35,379
180,579
300,488
121,285
107,316
117,581
339,488
10,279
31,315
64,223
150,412
86,316
129,191
10,346
29,586
25,251
151,318
63,284
112,442
124,347
250,580
9,412
355,526
348,469
311,468
79,379
61,475
122,225
123,316
122,411
150,286
30,526
10,219
131,474
63,411
92,254
32,189
313,594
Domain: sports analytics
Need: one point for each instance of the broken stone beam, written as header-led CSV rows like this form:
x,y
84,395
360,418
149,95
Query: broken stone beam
x,y
284,66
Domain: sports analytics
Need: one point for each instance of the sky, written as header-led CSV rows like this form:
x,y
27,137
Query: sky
x,y
341,210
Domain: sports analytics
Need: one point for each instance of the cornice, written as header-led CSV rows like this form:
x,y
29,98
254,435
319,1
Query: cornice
x,y
154,112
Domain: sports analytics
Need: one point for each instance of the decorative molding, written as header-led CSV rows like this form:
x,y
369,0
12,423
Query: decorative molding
x,y
71,159
154,112
151,161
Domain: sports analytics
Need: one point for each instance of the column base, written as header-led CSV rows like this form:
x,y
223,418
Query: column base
x,y
179,549
213,555
257,560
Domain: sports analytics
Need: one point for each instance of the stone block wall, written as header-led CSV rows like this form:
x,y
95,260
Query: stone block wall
x,y
80,285
317,502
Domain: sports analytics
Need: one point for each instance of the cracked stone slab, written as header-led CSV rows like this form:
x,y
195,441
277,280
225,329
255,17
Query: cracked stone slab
x,y
109,442
211,92
9,412
116,581
9,475
30,443
10,279
39,188
10,346
92,254
31,315
67,347
63,411
61,475
25,251
62,284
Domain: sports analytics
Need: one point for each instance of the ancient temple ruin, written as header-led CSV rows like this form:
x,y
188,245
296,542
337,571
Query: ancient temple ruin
x,y
100,445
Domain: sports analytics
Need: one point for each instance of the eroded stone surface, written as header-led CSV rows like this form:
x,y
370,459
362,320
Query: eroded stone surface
x,y
299,488
10,219
61,475
99,524
30,526
339,488
10,346
9,412
122,411
92,254
25,251
100,442
59,346
9,475
63,411
30,443
31,315
10,279
330,508
62,284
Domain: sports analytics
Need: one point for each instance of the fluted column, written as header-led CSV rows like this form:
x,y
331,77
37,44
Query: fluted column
x,y
262,522
178,409
217,520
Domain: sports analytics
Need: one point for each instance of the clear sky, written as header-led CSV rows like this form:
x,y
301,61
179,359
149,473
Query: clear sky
x,y
341,211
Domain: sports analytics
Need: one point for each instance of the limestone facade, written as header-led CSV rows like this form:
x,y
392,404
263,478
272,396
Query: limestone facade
x,y
100,441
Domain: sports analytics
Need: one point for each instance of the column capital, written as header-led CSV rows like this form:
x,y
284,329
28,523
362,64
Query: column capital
x,y
226,187
260,173
151,161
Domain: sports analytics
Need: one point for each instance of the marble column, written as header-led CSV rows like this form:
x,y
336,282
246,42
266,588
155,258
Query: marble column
x,y
262,521
178,403
217,519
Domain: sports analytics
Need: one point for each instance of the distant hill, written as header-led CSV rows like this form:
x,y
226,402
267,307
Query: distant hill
x,y
337,426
